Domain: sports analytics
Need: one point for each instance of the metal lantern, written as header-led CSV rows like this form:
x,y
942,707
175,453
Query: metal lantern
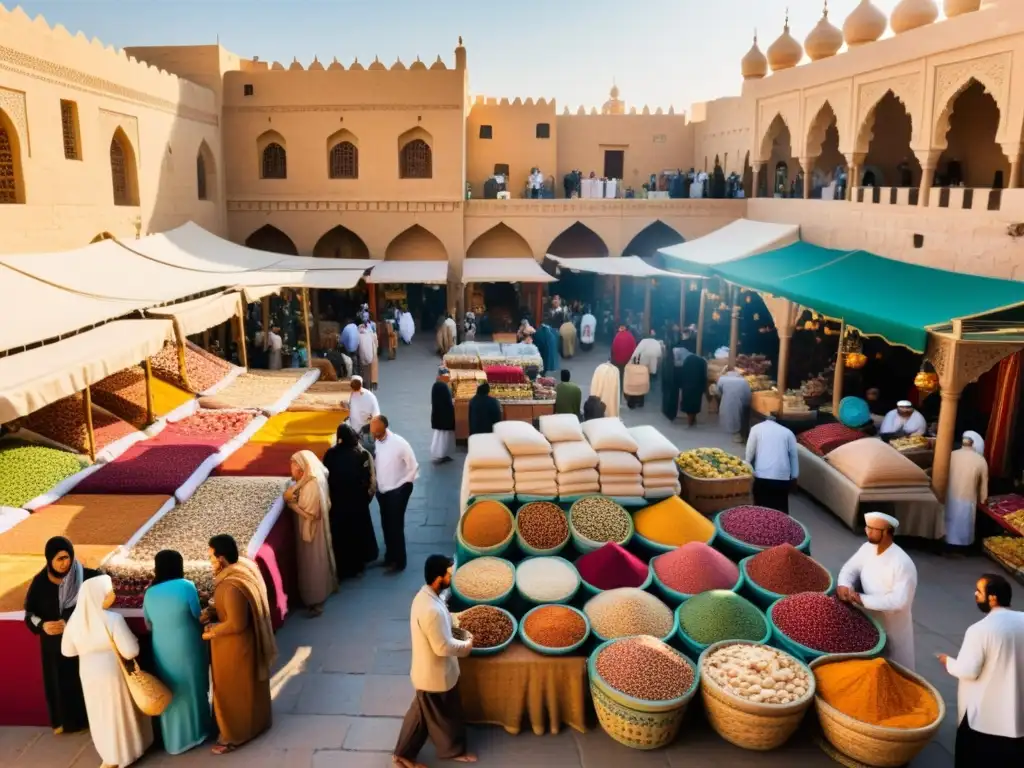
x,y
855,360
926,382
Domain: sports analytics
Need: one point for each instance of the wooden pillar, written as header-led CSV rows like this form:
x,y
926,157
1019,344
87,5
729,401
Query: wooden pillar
x,y
371,289
179,340
315,297
243,352
700,318
90,434
944,437
305,323
540,303
149,390
647,306
618,285
265,306
785,336
682,304
734,323
837,380
206,339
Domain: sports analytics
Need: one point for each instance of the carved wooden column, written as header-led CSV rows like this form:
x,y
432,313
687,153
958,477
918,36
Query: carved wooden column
x,y
837,380
1013,153
784,314
734,323
807,164
756,171
929,160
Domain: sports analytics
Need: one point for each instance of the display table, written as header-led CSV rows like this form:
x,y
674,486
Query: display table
x,y
995,509
511,410
519,686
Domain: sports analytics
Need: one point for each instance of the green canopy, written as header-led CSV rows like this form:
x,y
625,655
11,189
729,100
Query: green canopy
x,y
896,300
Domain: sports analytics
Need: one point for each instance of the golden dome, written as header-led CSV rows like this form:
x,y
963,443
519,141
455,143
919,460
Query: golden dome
x,y
911,14
785,52
825,39
865,24
960,7
754,65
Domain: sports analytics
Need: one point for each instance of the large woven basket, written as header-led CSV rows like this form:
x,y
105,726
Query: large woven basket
x,y
747,724
710,495
872,744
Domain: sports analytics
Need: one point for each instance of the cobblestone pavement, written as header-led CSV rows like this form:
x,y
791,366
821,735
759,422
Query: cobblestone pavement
x,y
342,685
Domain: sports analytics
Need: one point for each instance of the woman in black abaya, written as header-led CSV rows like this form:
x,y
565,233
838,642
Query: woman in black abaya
x,y
51,598
352,482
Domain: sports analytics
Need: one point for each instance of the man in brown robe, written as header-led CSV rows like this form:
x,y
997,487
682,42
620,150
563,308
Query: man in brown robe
x,y
242,646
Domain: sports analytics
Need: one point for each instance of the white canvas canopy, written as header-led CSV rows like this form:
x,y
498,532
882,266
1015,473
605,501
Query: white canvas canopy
x,y
500,270
34,379
620,266
199,315
736,240
413,271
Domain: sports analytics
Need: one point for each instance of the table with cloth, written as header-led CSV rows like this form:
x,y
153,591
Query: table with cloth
x,y
520,687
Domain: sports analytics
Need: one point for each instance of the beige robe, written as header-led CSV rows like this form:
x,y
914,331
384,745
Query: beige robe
x,y
568,334
310,501
605,385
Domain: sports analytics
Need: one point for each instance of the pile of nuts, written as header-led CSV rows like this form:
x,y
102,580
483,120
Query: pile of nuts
x,y
645,668
555,626
542,525
599,519
758,673
489,626
484,578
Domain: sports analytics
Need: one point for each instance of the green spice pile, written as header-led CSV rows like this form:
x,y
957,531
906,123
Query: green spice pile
x,y
711,617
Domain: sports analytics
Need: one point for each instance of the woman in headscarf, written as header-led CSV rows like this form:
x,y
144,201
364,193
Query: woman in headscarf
x,y
100,639
442,418
310,499
171,610
546,341
352,484
49,603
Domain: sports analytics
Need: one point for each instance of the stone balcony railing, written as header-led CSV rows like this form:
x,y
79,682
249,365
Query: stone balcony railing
x,y
618,207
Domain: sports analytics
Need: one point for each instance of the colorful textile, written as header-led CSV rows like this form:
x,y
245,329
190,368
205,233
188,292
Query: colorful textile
x,y
148,468
1002,424
825,438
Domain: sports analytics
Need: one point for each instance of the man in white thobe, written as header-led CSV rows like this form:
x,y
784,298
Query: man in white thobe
x,y
588,330
275,344
649,353
903,421
968,487
990,670
362,407
734,408
888,580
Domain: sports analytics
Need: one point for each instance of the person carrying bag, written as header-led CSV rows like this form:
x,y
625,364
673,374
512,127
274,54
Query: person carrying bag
x,y
636,382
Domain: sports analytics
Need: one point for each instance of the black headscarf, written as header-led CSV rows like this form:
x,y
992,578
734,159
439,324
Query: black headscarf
x,y
168,565
54,547
347,437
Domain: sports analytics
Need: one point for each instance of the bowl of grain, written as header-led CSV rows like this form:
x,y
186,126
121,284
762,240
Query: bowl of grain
x,y
554,630
484,581
491,628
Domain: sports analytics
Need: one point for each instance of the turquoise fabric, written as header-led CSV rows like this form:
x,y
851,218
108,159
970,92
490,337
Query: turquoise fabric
x,y
854,412
182,662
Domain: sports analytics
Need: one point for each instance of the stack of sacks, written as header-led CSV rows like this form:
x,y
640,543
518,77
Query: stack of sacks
x,y
531,456
657,454
574,459
621,474
488,467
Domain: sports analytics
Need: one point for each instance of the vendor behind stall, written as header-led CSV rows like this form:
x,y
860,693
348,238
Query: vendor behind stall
x,y
904,421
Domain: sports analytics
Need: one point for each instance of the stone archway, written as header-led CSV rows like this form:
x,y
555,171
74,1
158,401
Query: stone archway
x,y
12,182
500,241
777,153
270,238
886,135
823,149
416,244
340,243
968,131
654,236
665,292
578,241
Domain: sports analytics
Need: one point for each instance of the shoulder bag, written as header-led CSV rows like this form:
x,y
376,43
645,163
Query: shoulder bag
x,y
149,694
636,379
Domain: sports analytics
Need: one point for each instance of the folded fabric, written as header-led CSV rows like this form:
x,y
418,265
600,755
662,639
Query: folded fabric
x,y
660,469
651,444
609,434
660,482
538,489
624,489
561,427
618,463
475,489
662,493
544,476
496,475
578,476
522,439
578,490
576,455
487,451
532,463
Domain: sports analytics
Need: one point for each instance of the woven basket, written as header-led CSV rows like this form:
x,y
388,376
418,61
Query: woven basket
x,y
873,744
747,724
710,495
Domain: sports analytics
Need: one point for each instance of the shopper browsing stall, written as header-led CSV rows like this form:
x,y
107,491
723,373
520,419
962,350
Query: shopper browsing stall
x,y
397,470
968,487
771,451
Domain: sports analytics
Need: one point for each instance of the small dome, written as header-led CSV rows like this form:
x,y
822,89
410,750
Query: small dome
x,y
335,64
438,64
377,64
295,66
754,65
417,64
825,39
398,65
911,14
960,7
356,65
785,52
316,66
865,24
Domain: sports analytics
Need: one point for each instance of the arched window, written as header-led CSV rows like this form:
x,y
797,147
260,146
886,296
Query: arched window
x,y
344,161
201,177
275,162
8,169
416,160
119,173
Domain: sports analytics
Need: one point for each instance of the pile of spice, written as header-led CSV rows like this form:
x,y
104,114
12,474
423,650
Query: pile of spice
x,y
673,522
542,525
761,526
718,615
485,578
612,567
874,692
695,568
599,519
645,668
555,626
825,624
489,626
625,612
546,579
758,673
486,524
785,570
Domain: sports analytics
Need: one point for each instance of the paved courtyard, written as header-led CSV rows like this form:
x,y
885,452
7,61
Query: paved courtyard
x,y
342,681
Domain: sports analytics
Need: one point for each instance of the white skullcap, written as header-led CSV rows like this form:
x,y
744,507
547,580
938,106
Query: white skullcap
x,y
881,517
357,378
904,404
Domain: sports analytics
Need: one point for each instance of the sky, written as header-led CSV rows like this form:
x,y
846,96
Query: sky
x,y
658,52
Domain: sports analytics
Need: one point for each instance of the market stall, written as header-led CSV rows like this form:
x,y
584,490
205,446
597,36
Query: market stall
x,y
511,270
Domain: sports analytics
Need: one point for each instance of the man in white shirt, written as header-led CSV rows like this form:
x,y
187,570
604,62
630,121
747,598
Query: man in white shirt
x,y
888,581
903,421
397,470
771,451
275,344
536,183
436,712
362,407
990,668
588,330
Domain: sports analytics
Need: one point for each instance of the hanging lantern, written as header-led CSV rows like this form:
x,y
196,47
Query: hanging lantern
x,y
716,316
927,382
723,305
748,298
828,331
693,285
809,326
757,316
855,360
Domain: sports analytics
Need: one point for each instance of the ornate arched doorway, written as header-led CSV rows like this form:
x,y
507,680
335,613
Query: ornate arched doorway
x,y
972,157
889,158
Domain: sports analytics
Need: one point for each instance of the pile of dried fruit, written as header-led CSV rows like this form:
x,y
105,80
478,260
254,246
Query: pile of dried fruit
x,y
542,525
64,423
825,624
203,369
758,673
489,626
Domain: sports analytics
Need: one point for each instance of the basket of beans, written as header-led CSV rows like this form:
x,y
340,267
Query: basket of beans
x,y
486,528
554,630
780,571
597,520
691,569
612,567
755,696
484,581
541,528
625,612
812,624
492,628
716,616
641,688
747,530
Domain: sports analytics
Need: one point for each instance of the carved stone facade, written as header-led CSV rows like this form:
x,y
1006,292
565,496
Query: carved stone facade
x,y
13,105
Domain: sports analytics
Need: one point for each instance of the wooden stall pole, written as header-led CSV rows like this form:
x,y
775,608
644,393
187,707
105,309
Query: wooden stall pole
x,y
315,298
647,306
148,368
700,318
682,304
243,352
540,304
734,323
837,380
206,339
90,434
265,307
179,340
305,322
618,284
372,290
